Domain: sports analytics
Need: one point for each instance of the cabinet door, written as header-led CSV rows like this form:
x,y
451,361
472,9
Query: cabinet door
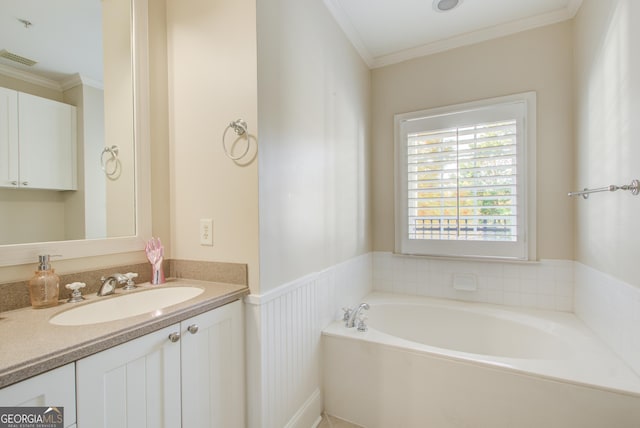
x,y
136,384
8,138
47,132
55,388
213,369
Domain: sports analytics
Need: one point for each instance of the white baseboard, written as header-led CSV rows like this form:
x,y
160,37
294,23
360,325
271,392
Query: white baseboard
x,y
309,414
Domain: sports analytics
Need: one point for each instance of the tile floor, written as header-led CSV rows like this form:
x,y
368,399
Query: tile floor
x,y
333,422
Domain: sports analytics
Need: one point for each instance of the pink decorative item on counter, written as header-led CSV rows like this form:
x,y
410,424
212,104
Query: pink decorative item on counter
x,y
155,254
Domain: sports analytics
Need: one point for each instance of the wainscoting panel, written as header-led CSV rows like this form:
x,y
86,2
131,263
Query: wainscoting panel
x,y
283,342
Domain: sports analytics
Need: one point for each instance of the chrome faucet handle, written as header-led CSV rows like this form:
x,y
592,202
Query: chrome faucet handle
x,y
130,284
361,323
76,294
347,315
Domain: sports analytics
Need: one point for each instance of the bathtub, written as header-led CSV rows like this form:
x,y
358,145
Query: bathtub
x,y
428,362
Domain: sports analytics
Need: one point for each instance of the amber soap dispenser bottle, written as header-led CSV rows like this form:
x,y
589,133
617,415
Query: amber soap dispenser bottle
x,y
44,286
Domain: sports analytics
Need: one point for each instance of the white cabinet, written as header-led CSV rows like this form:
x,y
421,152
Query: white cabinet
x,y
8,138
37,142
136,384
213,369
55,388
195,380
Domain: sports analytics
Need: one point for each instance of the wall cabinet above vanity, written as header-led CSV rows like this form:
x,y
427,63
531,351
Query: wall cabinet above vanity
x,y
37,142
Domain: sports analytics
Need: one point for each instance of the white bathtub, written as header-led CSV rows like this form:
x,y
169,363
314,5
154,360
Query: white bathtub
x,y
438,363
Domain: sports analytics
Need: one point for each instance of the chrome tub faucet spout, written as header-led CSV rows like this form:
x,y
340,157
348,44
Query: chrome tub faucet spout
x,y
354,314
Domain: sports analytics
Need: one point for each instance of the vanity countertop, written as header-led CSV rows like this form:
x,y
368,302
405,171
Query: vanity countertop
x,y
30,345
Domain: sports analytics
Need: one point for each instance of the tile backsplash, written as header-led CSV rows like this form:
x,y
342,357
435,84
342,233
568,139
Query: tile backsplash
x,y
547,284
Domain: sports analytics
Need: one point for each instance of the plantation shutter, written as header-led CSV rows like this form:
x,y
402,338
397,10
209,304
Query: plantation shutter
x,y
463,182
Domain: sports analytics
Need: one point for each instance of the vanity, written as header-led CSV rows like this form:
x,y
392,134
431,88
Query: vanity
x,y
179,365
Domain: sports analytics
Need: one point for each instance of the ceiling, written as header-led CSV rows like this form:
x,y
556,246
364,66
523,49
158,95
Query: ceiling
x,y
65,38
390,31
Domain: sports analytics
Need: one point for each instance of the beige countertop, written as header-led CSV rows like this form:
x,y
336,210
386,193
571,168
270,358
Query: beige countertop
x,y
30,345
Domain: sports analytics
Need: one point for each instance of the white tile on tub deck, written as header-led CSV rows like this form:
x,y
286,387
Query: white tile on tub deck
x,y
529,272
529,286
545,301
493,269
564,271
547,286
383,285
563,303
529,300
492,283
564,289
495,296
511,298
511,270
511,285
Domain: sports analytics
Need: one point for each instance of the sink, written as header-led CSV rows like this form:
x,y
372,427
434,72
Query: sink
x,y
125,306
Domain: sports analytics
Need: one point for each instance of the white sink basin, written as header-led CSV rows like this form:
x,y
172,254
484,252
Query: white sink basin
x,y
125,306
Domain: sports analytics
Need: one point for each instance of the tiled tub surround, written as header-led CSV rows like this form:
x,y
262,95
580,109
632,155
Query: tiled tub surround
x,y
479,374
547,284
31,345
15,295
611,308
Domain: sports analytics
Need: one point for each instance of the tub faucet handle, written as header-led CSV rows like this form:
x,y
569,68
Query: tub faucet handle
x,y
347,315
361,323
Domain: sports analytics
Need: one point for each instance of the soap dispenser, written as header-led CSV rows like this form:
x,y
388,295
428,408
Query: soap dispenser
x,y
44,286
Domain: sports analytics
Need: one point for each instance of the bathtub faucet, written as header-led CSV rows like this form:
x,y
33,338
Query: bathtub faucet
x,y
353,315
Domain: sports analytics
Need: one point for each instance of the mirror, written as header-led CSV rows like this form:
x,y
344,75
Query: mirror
x,y
103,74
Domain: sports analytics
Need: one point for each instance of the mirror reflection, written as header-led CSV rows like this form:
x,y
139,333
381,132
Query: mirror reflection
x,y
67,150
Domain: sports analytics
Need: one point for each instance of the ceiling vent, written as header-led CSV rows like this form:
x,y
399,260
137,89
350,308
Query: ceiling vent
x,y
16,58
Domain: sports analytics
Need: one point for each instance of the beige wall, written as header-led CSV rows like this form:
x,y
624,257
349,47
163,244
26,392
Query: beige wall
x,y
313,103
85,209
159,118
118,114
212,81
537,60
607,63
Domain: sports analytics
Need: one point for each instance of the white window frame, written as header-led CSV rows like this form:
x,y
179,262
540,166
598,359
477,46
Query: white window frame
x,y
525,246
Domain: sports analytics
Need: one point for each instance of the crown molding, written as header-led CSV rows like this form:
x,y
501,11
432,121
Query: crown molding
x,y
28,77
78,79
470,38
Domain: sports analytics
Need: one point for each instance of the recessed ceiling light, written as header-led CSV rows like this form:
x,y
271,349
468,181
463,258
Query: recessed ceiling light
x,y
445,5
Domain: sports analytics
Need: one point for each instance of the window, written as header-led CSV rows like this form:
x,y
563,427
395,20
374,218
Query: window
x,y
465,179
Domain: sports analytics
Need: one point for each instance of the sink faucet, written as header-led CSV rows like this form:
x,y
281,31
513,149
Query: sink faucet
x,y
112,281
353,316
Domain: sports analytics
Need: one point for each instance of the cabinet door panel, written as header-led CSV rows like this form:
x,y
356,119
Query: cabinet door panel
x,y
54,388
47,143
213,369
8,138
136,384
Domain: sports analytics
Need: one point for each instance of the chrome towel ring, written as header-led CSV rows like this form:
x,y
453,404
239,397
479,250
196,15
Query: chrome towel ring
x,y
110,164
240,128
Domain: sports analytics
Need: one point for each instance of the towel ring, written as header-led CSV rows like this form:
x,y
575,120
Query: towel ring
x,y
113,159
240,128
